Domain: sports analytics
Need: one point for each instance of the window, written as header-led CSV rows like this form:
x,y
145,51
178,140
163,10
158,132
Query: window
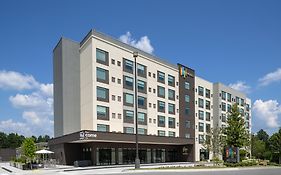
x,y
223,118
102,94
102,56
113,97
102,128
247,125
242,102
172,134
201,138
208,116
207,93
161,133
161,121
208,128
113,79
200,90
113,115
154,91
161,91
128,116
102,75
129,130
201,115
161,106
247,107
241,111
186,85
102,112
119,116
228,97
187,124
153,75
119,81
208,106
172,122
228,108
187,135
223,106
150,120
186,98
141,102
247,116
201,127
149,89
201,103
128,65
142,131
161,77
171,94
119,98
141,86
118,63
128,82
112,61
142,118
171,80
149,74
187,109
238,100
141,70
129,99
171,108
223,95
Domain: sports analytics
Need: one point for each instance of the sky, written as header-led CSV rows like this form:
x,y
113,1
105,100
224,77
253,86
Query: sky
x,y
236,42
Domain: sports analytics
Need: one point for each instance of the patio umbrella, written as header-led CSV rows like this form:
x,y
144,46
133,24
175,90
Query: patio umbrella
x,y
44,151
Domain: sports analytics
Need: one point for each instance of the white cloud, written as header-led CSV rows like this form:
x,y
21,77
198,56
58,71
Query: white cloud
x,y
240,86
142,44
271,77
36,106
17,81
268,111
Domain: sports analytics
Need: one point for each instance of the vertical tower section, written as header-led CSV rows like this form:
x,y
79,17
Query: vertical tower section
x,y
66,77
186,103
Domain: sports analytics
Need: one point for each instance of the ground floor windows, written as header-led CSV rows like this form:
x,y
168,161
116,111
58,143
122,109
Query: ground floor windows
x,y
204,154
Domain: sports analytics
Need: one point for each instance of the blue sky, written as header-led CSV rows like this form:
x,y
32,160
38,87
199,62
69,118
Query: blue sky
x,y
235,42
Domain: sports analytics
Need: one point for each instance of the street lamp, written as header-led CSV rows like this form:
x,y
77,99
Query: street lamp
x,y
137,161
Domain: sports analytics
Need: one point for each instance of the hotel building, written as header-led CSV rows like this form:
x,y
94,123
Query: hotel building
x,y
94,116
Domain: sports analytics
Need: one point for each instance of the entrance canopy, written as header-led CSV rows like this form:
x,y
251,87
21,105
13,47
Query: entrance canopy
x,y
44,151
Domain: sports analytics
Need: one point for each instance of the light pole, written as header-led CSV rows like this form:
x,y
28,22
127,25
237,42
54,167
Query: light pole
x,y
137,161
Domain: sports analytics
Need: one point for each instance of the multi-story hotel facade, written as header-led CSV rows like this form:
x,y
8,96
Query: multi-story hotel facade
x,y
94,112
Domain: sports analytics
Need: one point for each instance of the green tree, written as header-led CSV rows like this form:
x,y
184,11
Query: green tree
x,y
262,135
214,142
235,132
275,144
258,148
3,140
29,148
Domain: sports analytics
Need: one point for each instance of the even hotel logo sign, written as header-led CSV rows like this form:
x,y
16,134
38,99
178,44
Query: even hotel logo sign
x,y
84,135
184,71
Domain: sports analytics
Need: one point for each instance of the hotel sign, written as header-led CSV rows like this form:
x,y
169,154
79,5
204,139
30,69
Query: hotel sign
x,y
184,71
84,135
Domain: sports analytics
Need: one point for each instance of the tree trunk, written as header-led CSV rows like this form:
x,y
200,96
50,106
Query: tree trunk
x,y
279,158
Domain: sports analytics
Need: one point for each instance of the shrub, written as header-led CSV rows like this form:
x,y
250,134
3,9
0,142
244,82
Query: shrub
x,y
241,164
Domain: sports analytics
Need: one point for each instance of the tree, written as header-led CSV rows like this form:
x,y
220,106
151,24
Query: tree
x,y
3,140
258,148
262,135
214,142
275,144
29,148
236,133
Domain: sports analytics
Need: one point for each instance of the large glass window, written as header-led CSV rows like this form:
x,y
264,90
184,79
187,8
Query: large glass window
x,y
161,121
128,65
128,82
238,100
102,56
129,99
186,98
207,93
141,102
171,94
172,122
208,116
200,90
102,94
201,127
228,108
223,95
187,124
201,138
186,85
171,80
128,116
208,106
228,97
161,133
201,115
223,106
171,108
161,77
102,112
142,131
223,118
141,86
129,130
208,128
102,75
102,128
201,103
141,118
161,91
242,102
141,70
187,109
161,106
172,134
